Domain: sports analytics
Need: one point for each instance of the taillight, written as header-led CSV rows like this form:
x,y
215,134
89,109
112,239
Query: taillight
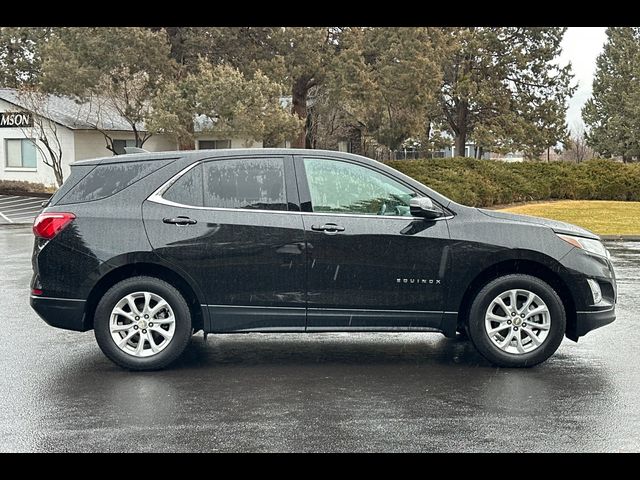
x,y
48,225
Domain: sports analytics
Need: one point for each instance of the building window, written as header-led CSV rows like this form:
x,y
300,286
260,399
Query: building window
x,y
213,144
21,153
118,146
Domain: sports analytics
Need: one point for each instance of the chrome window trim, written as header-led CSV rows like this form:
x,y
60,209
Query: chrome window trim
x,y
156,197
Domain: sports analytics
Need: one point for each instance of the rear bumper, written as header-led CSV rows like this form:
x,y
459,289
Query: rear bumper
x,y
63,313
587,321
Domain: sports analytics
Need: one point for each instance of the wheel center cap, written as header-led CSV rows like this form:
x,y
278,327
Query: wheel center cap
x,y
142,324
517,322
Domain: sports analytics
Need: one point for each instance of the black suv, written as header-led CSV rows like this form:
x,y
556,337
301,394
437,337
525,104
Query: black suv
x,y
147,249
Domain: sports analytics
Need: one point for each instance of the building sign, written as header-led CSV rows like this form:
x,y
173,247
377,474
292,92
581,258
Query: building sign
x,y
15,119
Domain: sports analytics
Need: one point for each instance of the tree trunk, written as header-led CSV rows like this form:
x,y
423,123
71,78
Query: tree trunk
x,y
461,135
137,137
427,136
57,170
299,107
186,143
626,158
461,142
175,36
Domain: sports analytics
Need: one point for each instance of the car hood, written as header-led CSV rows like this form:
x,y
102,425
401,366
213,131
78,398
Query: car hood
x,y
557,226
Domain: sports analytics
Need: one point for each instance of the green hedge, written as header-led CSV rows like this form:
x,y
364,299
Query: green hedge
x,y
483,183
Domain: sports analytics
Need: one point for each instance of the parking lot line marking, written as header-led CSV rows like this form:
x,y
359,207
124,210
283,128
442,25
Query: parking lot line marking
x,y
10,199
20,205
17,202
5,217
18,208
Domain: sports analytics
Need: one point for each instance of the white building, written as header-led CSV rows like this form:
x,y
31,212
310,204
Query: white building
x,y
77,128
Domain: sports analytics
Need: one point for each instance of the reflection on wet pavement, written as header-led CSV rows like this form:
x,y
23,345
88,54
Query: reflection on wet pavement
x,y
321,392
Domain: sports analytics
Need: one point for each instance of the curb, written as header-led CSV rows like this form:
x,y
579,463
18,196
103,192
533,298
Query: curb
x,y
26,194
15,225
621,238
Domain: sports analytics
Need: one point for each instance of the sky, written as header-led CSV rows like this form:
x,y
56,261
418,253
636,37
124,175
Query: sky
x,y
581,46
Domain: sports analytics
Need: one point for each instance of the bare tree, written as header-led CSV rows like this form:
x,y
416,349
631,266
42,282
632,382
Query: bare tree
x,y
44,131
119,101
576,148
127,92
102,115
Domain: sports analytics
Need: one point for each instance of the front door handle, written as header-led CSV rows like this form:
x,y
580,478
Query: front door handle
x,y
181,220
327,227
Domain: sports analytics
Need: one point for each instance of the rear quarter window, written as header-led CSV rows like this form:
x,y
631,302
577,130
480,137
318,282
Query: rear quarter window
x,y
78,172
106,180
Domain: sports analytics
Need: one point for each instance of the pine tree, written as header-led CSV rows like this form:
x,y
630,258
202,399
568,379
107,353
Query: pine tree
x,y
612,114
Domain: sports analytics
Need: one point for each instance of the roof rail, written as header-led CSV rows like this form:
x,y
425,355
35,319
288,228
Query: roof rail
x,y
134,150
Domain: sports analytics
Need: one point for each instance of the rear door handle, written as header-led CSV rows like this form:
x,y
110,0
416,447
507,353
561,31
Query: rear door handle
x,y
181,220
327,227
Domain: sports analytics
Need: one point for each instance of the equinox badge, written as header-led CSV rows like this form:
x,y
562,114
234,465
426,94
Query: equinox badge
x,y
424,281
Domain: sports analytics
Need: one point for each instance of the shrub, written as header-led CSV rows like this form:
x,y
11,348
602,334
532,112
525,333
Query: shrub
x,y
19,187
483,183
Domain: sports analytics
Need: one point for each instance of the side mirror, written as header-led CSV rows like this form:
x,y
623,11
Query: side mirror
x,y
423,207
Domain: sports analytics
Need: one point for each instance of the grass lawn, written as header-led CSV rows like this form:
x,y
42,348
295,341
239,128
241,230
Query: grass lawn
x,y
601,217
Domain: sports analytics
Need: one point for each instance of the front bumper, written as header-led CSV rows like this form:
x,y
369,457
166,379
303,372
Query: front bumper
x,y
587,321
63,313
581,266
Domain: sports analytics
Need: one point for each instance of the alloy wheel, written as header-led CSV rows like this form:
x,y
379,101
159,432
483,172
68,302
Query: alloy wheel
x,y
142,324
517,321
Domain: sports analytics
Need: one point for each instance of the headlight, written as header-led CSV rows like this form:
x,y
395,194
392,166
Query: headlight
x,y
592,246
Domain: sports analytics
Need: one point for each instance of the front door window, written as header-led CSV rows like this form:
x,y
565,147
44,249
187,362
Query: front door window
x,y
342,187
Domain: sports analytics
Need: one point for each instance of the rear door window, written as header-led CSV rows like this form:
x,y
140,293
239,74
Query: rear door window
x,y
188,189
252,183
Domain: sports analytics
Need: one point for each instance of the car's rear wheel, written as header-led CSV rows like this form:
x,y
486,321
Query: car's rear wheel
x,y
517,321
142,323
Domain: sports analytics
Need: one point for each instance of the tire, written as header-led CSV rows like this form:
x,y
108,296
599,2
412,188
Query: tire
x,y
174,319
524,352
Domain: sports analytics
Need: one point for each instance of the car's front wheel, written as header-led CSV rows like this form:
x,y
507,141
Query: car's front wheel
x,y
142,323
517,321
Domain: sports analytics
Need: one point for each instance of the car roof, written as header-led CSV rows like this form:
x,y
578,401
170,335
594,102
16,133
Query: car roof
x,y
221,152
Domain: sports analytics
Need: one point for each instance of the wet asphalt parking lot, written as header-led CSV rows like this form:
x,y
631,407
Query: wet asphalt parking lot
x,y
322,392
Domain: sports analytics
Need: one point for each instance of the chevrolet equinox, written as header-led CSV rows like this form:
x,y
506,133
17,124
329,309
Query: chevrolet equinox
x,y
148,248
